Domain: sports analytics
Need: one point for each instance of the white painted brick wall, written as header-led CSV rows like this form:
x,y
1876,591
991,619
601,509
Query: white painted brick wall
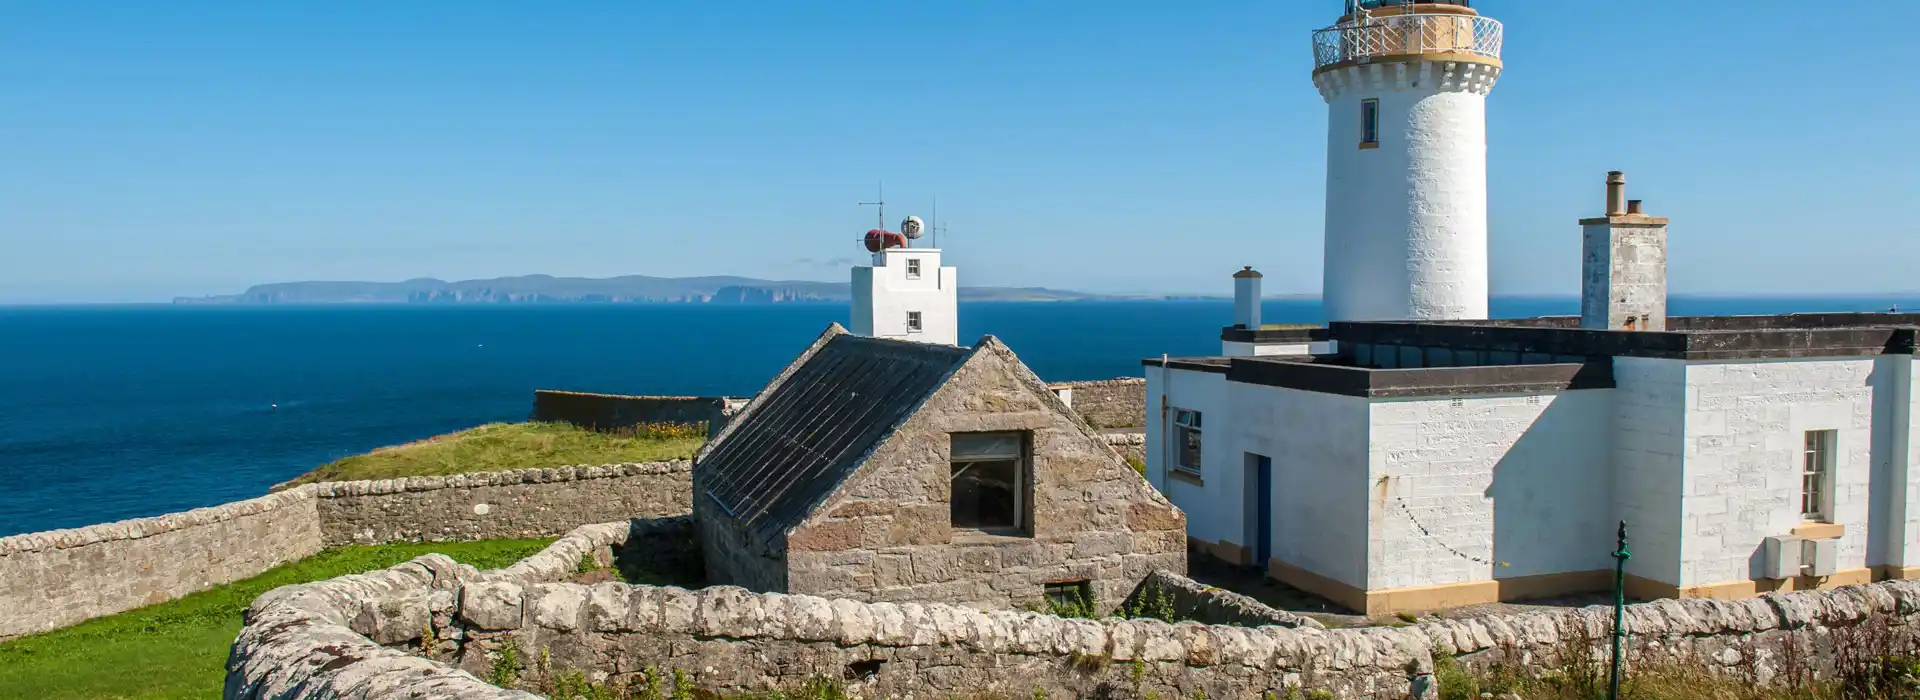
x,y
1889,537
1493,487
1745,432
1318,444
1204,392
1908,424
1649,414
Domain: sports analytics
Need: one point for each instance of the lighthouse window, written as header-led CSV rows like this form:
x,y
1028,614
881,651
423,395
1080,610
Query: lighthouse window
x,y
1369,123
913,322
913,268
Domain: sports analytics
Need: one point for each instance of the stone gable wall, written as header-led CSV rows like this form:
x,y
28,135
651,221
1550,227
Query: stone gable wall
x,y
1109,403
50,580
326,639
887,534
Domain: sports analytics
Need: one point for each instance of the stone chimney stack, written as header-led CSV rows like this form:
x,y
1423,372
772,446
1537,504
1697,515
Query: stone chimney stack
x,y
1623,270
1246,299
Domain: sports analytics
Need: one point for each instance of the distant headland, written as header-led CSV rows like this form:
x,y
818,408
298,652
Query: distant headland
x,y
546,289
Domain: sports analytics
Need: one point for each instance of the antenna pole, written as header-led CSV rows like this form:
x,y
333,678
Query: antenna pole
x,y
933,223
882,204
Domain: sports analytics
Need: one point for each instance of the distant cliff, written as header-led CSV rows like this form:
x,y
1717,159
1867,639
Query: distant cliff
x,y
546,289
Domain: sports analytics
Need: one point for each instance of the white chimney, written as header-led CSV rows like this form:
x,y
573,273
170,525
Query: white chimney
x,y
1246,299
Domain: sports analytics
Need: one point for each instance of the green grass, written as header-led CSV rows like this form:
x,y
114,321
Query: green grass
x,y
178,649
501,446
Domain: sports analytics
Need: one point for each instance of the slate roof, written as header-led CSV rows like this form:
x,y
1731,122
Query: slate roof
x,y
808,433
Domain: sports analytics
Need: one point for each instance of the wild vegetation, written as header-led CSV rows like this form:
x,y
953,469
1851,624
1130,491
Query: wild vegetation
x,y
501,446
178,649
1153,603
1875,660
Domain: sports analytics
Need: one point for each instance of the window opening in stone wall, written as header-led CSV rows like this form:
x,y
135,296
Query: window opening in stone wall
x,y
1816,476
990,483
1369,123
913,268
1186,440
1070,598
913,322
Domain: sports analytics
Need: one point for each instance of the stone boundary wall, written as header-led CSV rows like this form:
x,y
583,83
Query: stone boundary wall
x,y
611,412
1206,604
53,579
57,578
1130,445
1108,403
500,505
325,639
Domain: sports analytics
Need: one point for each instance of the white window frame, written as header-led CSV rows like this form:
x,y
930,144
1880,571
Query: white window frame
x,y
1816,475
1021,484
915,324
1185,421
913,268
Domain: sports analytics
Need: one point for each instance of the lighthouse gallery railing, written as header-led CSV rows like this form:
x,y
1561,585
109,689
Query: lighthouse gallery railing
x,y
1398,34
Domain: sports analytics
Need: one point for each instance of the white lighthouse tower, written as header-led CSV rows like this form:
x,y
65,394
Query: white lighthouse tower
x,y
1406,85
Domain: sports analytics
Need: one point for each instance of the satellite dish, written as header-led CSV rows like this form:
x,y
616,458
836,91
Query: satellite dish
x,y
912,227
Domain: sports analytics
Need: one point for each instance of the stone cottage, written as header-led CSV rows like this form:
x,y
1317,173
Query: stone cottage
x,y
889,470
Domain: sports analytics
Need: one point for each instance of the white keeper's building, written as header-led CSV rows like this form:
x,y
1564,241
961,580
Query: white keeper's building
x,y
1412,455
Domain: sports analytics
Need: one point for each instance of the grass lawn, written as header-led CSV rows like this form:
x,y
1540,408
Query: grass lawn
x,y
501,446
178,649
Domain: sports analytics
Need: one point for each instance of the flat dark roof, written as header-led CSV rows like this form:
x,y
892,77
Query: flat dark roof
x,y
1274,334
1329,375
1699,338
1216,365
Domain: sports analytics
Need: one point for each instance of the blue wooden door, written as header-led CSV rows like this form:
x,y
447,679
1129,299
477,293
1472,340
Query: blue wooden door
x,y
1263,518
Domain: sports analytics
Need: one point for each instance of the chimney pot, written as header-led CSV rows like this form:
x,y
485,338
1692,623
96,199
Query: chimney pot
x,y
1633,206
1616,193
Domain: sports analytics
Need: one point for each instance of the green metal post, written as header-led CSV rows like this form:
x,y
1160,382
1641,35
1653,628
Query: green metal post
x,y
1620,557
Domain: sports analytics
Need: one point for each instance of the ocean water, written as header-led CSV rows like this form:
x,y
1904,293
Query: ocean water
x,y
117,412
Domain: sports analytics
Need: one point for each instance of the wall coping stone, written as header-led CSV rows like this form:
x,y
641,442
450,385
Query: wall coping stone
x,y
137,528
511,477
1117,381
308,639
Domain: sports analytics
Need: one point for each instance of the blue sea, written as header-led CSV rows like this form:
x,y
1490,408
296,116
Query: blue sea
x,y
116,412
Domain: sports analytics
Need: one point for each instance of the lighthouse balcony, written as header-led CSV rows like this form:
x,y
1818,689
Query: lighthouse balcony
x,y
1366,37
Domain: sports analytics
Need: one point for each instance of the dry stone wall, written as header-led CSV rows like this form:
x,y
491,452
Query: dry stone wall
x,y
1109,403
500,505
58,578
343,638
1192,600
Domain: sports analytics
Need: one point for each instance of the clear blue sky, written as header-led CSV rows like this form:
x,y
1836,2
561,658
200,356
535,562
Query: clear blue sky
x,y
149,149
